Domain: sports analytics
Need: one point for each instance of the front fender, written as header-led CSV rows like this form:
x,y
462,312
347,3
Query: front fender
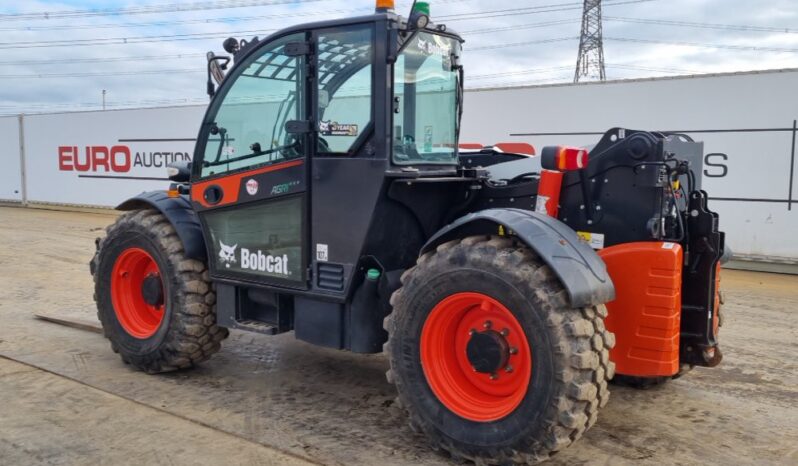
x,y
579,268
179,213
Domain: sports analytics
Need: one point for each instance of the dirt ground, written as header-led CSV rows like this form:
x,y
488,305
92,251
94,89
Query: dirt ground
x,y
65,398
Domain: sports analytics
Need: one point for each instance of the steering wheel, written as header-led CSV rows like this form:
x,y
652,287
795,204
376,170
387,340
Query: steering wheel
x,y
323,145
292,147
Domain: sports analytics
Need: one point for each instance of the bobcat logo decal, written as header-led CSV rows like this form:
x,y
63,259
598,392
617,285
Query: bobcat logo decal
x,y
227,254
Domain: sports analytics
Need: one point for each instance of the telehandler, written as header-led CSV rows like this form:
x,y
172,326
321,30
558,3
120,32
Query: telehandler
x,y
327,196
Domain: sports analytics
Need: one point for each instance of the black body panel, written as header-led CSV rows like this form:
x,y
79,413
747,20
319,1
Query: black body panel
x,y
179,213
624,184
579,268
705,248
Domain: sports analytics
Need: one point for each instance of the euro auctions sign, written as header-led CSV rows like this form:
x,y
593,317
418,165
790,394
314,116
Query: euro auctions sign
x,y
104,158
114,159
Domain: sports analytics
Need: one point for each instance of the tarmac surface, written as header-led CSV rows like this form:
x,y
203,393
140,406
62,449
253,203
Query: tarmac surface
x,y
66,398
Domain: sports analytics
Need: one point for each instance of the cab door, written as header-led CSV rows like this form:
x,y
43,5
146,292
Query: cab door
x,y
250,168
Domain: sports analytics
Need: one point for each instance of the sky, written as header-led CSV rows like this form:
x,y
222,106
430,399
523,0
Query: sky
x,y
60,56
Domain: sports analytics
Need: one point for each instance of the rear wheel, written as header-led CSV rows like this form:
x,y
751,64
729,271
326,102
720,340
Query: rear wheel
x,y
488,357
156,306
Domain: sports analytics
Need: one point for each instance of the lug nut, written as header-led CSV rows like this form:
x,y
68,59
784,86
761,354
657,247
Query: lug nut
x,y
472,331
487,324
513,350
494,376
509,368
505,332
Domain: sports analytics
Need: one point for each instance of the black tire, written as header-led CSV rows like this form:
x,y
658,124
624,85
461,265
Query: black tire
x,y
188,333
644,383
570,350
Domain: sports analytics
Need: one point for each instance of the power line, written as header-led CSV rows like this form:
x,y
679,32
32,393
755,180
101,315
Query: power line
x,y
521,26
696,44
516,73
201,70
147,9
233,19
197,36
126,40
100,73
535,9
518,44
731,27
61,61
561,79
658,70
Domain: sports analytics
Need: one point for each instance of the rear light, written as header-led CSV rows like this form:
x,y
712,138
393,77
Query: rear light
x,y
563,158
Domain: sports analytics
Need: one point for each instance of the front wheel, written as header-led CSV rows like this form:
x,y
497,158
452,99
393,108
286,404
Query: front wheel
x,y
156,305
488,357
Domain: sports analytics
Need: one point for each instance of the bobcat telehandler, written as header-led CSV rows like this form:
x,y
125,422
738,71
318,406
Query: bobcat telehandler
x,y
327,197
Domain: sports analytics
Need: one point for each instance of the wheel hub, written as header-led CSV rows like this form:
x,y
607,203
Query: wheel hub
x,y
137,293
479,375
487,351
152,290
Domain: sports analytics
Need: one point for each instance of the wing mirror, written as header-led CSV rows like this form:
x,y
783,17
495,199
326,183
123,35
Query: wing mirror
x,y
179,171
216,71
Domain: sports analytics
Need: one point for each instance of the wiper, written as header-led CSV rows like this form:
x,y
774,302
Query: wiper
x,y
278,120
222,132
295,144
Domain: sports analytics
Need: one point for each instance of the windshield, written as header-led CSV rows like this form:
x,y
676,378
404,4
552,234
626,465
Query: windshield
x,y
426,101
246,128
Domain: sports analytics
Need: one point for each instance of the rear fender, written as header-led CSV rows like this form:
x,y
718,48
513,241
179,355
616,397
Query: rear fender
x,y
579,268
179,213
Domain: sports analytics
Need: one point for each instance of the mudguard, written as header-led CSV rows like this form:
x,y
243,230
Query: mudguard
x,y
579,268
179,213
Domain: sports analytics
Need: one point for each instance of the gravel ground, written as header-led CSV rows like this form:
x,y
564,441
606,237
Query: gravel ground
x,y
65,398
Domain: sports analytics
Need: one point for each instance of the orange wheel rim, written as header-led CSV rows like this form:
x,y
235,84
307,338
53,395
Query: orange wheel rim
x,y
476,357
136,287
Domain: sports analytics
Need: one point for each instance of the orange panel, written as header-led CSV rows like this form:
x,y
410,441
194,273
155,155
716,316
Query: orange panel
x,y
549,187
645,315
516,148
231,184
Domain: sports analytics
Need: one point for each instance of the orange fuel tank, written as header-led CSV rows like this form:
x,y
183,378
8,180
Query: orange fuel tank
x,y
645,315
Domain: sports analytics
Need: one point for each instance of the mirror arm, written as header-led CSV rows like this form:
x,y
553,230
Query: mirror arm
x,y
210,87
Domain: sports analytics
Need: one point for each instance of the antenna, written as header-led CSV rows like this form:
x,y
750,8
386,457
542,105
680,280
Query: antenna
x,y
590,62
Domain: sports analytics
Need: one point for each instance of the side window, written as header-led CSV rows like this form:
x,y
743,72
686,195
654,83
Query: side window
x,y
248,127
345,87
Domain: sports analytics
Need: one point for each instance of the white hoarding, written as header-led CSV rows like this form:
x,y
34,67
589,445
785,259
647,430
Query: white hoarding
x,y
746,120
10,175
103,158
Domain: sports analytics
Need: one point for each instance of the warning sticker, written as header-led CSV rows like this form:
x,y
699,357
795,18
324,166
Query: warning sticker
x,y
668,245
333,128
321,252
540,204
594,240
